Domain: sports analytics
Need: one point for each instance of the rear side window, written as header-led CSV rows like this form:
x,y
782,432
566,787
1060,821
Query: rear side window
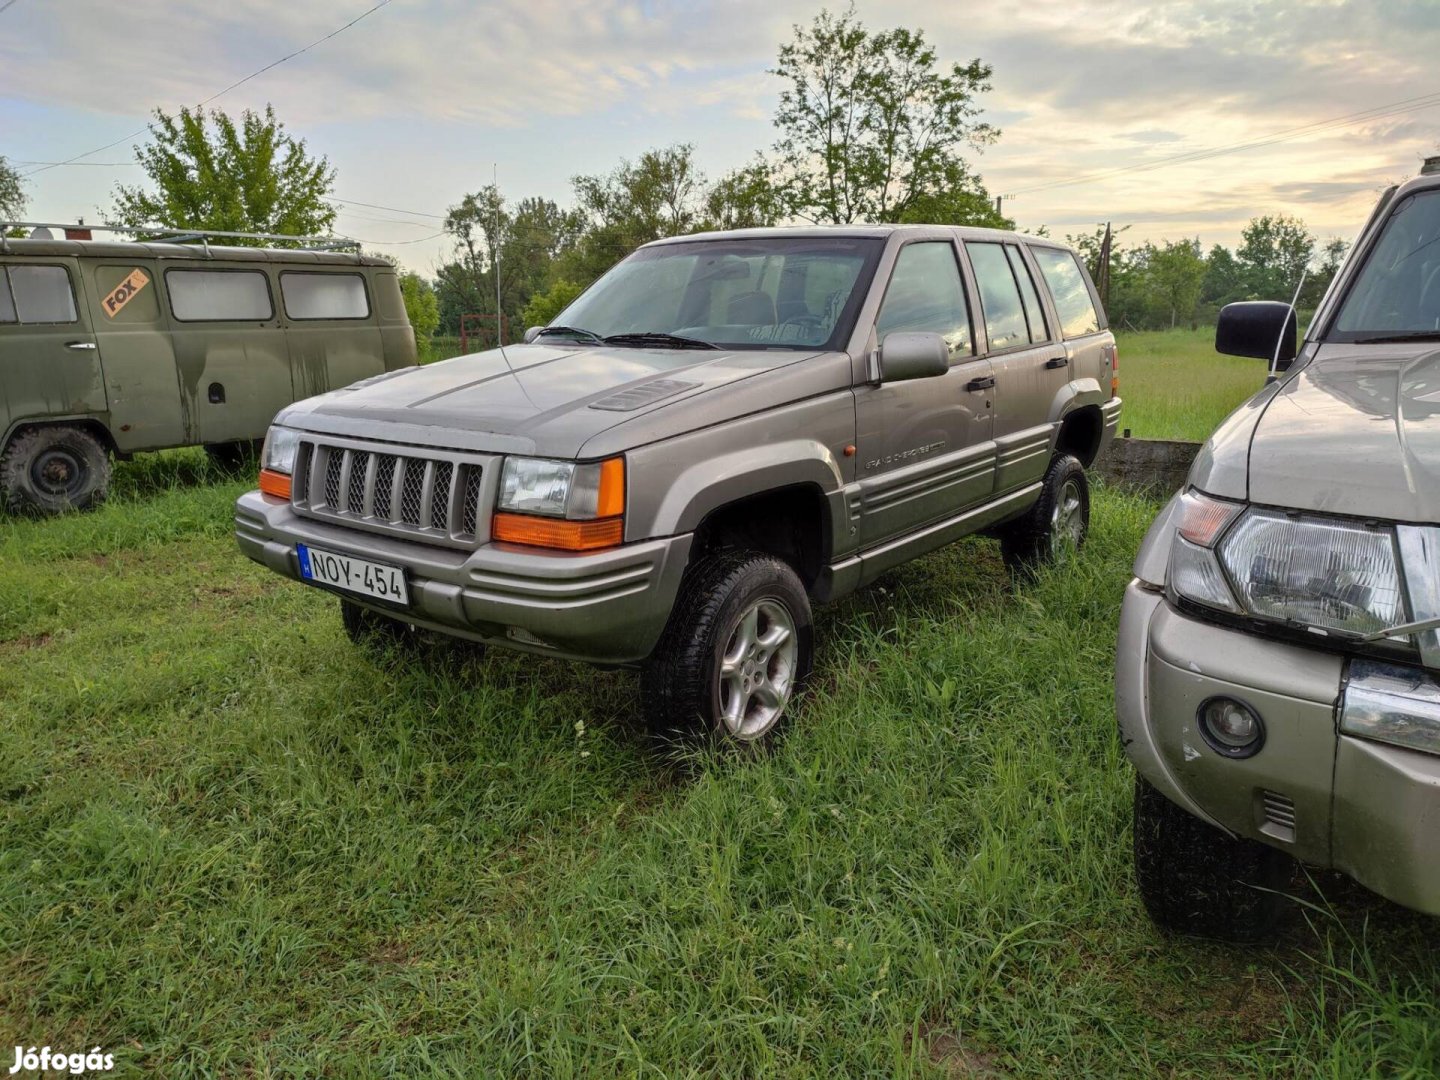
x,y
324,296
36,294
1005,324
926,293
219,295
1067,285
1034,311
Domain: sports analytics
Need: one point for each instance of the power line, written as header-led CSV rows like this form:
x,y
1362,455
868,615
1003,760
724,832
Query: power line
x,y
239,82
377,206
1424,101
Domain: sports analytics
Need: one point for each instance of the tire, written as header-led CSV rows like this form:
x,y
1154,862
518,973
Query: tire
x,y
373,631
740,612
1058,522
1196,880
232,457
50,470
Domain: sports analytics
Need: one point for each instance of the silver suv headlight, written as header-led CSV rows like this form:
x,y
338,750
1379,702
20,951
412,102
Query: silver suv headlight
x,y
1305,570
281,444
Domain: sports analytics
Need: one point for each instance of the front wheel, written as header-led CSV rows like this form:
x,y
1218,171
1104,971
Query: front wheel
x,y
1058,522
735,652
1195,879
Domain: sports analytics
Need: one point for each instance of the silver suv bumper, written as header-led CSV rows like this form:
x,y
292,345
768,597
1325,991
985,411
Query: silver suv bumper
x,y
1331,800
607,607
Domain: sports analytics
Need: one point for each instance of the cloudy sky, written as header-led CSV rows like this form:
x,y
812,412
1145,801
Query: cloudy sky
x,y
1109,110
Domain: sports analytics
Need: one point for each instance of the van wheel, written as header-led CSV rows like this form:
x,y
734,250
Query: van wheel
x,y
373,631
50,470
1057,523
733,656
1195,879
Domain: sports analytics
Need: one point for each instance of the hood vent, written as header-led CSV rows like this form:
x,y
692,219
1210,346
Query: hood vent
x,y
639,396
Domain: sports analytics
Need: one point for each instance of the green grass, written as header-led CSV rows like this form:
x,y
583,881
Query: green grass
x,y
231,843
1176,386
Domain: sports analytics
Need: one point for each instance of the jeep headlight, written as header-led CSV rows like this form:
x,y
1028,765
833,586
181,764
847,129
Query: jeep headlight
x,y
1304,570
281,445
1315,572
572,505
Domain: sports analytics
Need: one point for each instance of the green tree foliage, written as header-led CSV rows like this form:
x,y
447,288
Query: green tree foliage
x,y
747,198
12,191
210,171
422,307
544,306
1274,251
1224,281
1175,274
870,124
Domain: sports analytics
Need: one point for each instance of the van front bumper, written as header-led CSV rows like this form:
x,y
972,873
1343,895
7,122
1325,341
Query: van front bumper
x,y
1369,809
607,607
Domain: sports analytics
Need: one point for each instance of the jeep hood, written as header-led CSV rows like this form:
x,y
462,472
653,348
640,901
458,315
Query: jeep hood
x,y
536,399
1356,431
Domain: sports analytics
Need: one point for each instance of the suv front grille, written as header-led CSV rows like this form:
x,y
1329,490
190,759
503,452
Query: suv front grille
x,y
419,494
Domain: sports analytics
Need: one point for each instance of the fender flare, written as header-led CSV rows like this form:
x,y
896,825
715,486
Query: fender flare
x,y
84,419
1076,394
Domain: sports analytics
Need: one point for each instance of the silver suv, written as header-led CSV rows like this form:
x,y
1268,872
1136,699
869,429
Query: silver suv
x,y
1280,644
722,430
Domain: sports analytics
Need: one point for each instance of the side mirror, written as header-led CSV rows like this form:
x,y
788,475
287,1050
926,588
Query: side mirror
x,y
532,333
906,355
1256,328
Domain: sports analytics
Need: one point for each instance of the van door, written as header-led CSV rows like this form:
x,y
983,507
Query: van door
x,y
1028,359
49,358
141,380
332,329
924,446
230,350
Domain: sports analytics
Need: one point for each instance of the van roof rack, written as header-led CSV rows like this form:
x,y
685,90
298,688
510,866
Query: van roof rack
x,y
164,234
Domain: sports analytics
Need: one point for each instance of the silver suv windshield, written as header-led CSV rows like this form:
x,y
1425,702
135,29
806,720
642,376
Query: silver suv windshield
x,y
763,293
1396,295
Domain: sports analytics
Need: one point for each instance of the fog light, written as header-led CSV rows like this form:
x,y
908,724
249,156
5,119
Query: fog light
x,y
1231,727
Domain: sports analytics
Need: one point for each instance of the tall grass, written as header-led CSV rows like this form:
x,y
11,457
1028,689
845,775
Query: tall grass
x,y
1176,386
231,843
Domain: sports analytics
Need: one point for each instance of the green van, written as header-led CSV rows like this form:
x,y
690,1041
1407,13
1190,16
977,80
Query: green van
x,y
108,348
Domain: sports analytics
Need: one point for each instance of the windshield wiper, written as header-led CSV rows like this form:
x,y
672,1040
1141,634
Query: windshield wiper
x,y
573,331
655,337
1392,339
1403,630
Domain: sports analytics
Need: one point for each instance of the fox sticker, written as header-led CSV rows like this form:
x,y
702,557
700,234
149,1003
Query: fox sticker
x,y
123,293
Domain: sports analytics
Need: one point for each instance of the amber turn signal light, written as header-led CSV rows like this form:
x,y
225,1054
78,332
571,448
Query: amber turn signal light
x,y
275,483
553,533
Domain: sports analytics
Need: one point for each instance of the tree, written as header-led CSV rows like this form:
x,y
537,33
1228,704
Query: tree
x,y
211,172
1273,253
955,206
422,307
1332,257
747,198
12,191
869,123
1176,273
1224,280
544,306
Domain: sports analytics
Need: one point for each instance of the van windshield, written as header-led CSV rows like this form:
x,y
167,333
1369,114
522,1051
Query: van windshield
x,y
1396,295
783,293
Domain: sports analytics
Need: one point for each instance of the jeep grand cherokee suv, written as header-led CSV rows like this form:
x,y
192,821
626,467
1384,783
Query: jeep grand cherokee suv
x,y
720,431
1278,679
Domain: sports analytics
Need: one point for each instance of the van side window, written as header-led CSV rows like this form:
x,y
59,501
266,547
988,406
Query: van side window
x,y
38,294
1034,311
324,296
1067,285
219,295
926,293
7,302
1005,324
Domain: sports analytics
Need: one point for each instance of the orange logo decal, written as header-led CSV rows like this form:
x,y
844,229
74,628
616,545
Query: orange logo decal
x,y
123,293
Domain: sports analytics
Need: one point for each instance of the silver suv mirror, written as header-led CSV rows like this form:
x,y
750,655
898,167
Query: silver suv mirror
x,y
913,355
532,333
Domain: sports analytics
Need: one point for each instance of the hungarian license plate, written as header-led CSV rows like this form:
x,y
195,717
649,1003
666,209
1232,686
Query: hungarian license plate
x,y
356,575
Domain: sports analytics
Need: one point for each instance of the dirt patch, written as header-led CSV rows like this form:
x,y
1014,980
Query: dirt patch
x,y
958,1058
26,642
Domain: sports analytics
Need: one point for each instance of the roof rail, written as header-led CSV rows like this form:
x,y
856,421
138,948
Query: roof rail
x,y
164,234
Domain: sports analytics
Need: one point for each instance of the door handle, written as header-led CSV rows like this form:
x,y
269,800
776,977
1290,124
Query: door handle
x,y
1057,362
984,382
80,345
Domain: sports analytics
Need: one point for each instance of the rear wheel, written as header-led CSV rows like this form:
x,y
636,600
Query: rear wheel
x,y
1195,879
734,654
50,470
1057,523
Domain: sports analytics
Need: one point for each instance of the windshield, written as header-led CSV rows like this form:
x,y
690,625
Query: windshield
x,y
785,293
1397,292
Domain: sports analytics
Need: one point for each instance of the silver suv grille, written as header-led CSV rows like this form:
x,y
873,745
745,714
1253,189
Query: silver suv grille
x,y
421,494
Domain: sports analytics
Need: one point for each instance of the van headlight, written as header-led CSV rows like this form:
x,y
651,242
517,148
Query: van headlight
x,y
1303,570
577,506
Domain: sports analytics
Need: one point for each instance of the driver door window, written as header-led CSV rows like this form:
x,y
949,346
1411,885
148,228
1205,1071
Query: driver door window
x,y
926,293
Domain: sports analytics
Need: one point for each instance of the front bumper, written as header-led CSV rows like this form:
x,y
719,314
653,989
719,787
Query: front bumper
x,y
607,607
1332,800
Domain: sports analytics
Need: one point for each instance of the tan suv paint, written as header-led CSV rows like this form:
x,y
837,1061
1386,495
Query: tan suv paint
x,y
96,358
793,411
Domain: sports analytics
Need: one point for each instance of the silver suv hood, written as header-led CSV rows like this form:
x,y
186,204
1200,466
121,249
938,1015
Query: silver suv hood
x,y
538,399
1356,431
